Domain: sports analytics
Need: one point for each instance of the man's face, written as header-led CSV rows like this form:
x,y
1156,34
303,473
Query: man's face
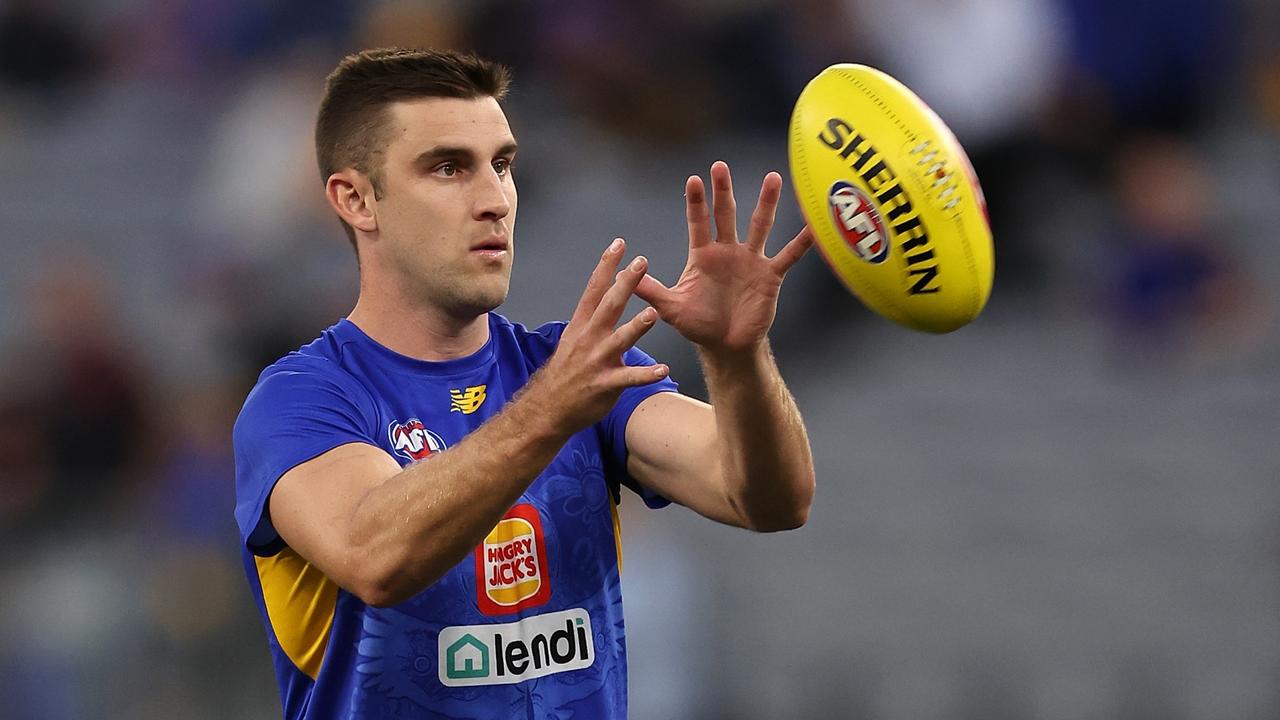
x,y
448,208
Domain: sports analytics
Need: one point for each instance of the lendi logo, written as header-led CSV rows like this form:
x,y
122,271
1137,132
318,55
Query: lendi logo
x,y
467,401
509,653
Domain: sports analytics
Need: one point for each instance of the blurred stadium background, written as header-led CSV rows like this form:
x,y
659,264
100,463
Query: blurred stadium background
x,y
1067,510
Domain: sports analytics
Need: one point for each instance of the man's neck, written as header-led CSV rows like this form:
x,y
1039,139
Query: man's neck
x,y
420,333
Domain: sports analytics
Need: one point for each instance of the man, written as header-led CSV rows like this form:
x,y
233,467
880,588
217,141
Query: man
x,y
427,493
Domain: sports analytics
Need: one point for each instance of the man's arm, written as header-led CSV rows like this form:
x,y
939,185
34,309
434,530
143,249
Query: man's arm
x,y
745,463
385,533
744,459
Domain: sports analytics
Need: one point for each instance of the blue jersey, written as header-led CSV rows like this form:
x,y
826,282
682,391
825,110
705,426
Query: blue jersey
x,y
529,625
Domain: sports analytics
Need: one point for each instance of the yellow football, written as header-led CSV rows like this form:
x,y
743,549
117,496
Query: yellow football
x,y
892,199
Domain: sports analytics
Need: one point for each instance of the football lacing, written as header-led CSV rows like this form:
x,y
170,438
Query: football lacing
x,y
927,158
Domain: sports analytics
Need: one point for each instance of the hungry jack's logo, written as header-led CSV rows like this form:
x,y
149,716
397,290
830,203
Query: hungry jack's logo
x,y
511,564
466,401
413,440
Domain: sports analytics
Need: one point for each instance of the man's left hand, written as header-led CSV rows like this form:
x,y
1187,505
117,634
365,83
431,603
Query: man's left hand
x,y
727,296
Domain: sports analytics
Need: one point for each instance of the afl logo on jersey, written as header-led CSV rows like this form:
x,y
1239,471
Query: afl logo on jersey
x,y
413,440
859,222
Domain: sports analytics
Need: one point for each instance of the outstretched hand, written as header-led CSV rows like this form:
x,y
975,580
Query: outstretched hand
x,y
587,372
727,295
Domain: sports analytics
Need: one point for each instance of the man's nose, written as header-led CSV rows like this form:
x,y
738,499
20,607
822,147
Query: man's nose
x,y
491,201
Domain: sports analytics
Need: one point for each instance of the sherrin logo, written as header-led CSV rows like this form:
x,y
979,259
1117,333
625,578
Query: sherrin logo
x,y
467,401
923,269
512,652
858,221
413,440
511,564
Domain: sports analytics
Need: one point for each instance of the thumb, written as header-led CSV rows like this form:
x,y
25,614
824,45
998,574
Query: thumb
x,y
652,291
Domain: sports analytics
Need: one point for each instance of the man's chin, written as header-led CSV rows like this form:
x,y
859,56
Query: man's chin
x,y
482,303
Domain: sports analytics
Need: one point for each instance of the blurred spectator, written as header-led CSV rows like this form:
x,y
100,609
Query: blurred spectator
x,y
1177,274
439,24
1143,64
259,187
1265,70
1266,78
42,52
75,417
28,466
661,72
192,588
985,66
631,68
202,47
193,468
757,56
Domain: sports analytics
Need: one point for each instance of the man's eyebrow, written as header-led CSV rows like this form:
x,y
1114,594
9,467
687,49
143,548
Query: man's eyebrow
x,y
449,152
442,152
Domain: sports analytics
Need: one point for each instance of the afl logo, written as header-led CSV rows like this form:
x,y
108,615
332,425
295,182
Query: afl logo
x,y
413,440
859,222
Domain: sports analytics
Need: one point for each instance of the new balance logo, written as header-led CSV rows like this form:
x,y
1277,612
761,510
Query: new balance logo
x,y
466,401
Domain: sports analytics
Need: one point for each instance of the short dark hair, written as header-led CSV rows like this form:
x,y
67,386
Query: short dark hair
x,y
351,124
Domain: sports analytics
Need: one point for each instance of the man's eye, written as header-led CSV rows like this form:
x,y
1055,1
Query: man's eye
x,y
447,170
502,166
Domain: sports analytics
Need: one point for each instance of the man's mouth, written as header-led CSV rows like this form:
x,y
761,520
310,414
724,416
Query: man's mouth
x,y
491,246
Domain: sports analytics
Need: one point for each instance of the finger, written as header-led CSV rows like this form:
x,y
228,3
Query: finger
x,y
634,375
598,283
791,253
615,299
652,291
723,206
631,331
766,211
695,211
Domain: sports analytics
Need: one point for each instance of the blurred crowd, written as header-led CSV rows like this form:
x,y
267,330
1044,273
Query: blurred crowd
x,y
165,238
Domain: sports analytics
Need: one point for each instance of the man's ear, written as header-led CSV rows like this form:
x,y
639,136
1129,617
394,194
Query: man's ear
x,y
350,194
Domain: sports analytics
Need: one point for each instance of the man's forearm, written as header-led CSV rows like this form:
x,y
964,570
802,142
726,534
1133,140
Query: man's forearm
x,y
764,449
425,519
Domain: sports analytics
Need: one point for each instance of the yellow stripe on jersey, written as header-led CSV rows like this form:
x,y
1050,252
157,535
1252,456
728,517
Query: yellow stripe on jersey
x,y
617,530
300,603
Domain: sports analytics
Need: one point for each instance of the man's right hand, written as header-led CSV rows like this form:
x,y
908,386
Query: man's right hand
x,y
584,377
